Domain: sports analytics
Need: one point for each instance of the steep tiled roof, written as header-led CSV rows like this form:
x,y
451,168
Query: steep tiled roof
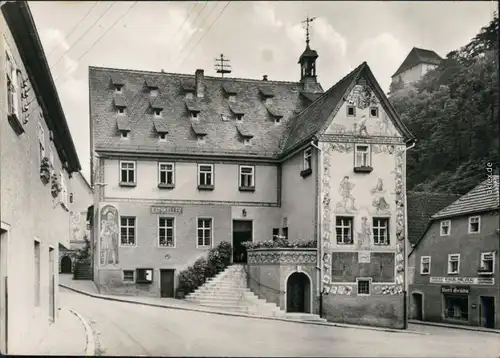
x,y
416,57
221,136
484,197
311,96
421,206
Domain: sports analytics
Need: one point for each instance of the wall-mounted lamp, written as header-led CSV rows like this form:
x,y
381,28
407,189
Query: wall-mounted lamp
x,y
244,213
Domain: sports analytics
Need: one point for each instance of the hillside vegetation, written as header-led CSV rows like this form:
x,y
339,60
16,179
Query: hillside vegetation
x,y
453,112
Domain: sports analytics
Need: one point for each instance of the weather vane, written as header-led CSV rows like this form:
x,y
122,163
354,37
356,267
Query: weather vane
x,y
307,21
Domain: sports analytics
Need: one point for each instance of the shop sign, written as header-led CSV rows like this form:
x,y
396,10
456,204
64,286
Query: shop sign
x,y
461,290
463,280
177,210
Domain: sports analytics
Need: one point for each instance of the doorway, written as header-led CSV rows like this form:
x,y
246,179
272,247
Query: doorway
x,y
488,311
66,264
298,293
417,306
167,283
242,231
52,302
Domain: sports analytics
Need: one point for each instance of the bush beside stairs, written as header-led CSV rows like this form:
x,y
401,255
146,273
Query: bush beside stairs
x,y
228,291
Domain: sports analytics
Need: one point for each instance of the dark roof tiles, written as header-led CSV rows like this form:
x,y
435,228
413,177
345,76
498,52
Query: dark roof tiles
x,y
245,130
230,88
418,56
236,108
123,124
266,91
160,125
120,102
193,105
200,128
117,79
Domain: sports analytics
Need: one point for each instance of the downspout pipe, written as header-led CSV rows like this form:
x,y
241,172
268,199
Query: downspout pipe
x,y
319,264
405,201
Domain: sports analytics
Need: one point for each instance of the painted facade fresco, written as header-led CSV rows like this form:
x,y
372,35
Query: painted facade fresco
x,y
363,122
379,203
109,235
347,204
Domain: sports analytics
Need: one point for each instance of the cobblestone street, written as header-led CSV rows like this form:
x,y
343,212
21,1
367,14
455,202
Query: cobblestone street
x,y
129,329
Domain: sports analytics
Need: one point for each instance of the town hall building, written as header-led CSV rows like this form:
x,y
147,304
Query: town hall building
x,y
182,162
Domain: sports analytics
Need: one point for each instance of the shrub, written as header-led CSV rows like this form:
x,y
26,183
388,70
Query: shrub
x,y
280,244
204,268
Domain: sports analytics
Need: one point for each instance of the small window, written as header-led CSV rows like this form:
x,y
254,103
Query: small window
x,y
381,231
194,115
201,139
121,110
127,231
425,265
232,98
205,174
277,120
351,111
118,88
153,92
127,172
307,158
144,276
124,134
224,118
445,228
474,224
363,287
157,112
247,141
362,153
374,112
189,95
276,233
247,176
128,275
166,173
487,263
453,264
204,233
343,228
239,117
71,198
162,137
166,232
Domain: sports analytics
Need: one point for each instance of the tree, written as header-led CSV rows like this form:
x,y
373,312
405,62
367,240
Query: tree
x,y
453,112
83,255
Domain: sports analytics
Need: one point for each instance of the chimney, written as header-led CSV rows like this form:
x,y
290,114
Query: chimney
x,y
199,83
264,78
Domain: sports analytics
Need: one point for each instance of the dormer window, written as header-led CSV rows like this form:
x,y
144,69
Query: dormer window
x,y
153,92
118,88
162,137
232,98
239,117
200,138
157,112
124,134
247,141
121,110
194,115
277,120
189,95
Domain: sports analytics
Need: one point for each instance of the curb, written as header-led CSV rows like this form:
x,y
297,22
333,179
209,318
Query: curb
x,y
90,350
327,324
464,328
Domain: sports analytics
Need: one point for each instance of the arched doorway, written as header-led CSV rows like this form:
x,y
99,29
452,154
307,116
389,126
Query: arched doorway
x,y
298,293
417,306
66,264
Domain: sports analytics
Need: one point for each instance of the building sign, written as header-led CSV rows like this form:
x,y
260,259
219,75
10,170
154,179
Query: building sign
x,y
364,257
463,280
461,290
166,210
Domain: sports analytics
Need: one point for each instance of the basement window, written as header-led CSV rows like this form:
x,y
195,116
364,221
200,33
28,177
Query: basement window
x,y
363,287
128,275
351,111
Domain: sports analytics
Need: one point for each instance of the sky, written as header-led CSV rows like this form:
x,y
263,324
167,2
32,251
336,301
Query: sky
x,y
257,37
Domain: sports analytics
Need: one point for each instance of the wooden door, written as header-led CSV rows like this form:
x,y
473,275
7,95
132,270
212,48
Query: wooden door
x,y
167,283
296,293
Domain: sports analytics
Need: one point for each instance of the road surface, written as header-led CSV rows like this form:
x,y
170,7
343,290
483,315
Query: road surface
x,y
130,329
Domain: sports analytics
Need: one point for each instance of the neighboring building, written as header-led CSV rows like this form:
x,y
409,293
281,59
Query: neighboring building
x,y
456,262
182,162
37,158
414,67
81,196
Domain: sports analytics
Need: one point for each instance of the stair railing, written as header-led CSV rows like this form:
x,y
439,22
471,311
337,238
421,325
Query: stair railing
x,y
250,278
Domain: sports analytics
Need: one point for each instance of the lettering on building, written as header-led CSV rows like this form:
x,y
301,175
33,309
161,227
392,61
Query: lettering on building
x,y
463,280
461,290
177,210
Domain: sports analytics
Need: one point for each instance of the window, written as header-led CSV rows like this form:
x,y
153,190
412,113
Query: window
x,y
189,95
36,257
284,233
277,120
124,134
71,198
205,174
118,88
425,265
166,173
144,276
362,156
153,92
201,139
162,137
166,232
474,224
12,87
351,111
445,228
247,141
276,233
374,112
307,158
127,231
239,117
204,233
343,228
487,262
246,176
456,307
363,287
453,263
157,112
121,110
127,172
381,231
194,115
232,98
128,275
41,141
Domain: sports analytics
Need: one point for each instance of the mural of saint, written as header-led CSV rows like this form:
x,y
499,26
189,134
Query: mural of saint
x,y
364,237
109,235
379,202
347,202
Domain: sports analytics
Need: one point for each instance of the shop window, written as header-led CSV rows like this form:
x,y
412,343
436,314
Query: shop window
x,y
456,307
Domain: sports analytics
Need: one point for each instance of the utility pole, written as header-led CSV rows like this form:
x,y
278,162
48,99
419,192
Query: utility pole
x,y
307,21
222,67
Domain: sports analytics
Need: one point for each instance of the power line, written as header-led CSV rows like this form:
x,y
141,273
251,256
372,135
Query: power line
x,y
83,35
183,23
76,26
194,21
206,32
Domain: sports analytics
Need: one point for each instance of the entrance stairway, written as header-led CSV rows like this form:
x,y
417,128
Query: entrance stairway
x,y
82,272
228,291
